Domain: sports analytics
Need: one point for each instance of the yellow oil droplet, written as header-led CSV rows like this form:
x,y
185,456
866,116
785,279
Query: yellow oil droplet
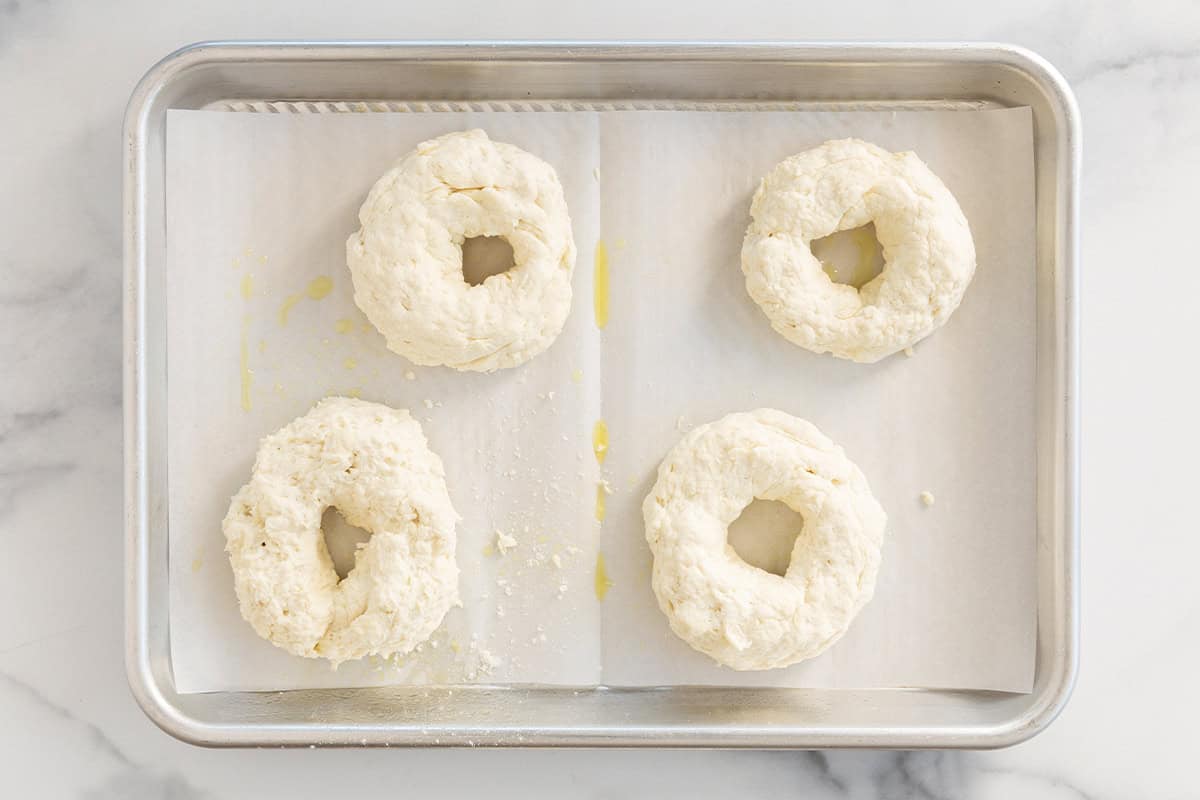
x,y
287,306
262,346
344,325
197,563
600,285
262,259
600,440
349,363
603,584
319,287
247,375
600,495
237,262
577,376
279,389
489,551
248,285
356,392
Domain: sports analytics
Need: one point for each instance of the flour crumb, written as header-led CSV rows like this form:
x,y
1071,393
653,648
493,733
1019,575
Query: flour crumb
x,y
680,424
504,542
908,351
596,173
410,376
556,560
484,662
927,499
428,403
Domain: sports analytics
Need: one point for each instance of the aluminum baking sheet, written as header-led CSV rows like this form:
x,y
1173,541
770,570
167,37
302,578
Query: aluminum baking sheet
x,y
381,76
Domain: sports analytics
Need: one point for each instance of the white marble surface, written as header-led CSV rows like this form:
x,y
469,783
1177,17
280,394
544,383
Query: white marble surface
x,y
70,728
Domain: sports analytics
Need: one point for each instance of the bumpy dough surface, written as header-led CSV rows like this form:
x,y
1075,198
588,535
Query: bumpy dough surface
x,y
738,614
406,259
840,185
373,464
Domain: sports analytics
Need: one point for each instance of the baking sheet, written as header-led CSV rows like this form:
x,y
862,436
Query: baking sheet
x,y
274,196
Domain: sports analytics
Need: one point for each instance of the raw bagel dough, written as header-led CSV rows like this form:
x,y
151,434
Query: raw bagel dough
x,y
406,260
927,248
373,464
740,615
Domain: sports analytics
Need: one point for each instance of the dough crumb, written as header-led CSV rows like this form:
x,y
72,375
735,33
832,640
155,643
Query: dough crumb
x,y
556,560
410,376
908,351
485,662
606,486
927,499
504,542
428,403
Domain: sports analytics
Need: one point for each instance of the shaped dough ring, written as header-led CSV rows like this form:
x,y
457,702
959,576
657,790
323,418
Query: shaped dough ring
x,y
406,259
372,463
927,249
742,616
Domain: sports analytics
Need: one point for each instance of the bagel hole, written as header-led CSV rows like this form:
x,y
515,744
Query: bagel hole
x,y
852,257
764,533
342,540
485,256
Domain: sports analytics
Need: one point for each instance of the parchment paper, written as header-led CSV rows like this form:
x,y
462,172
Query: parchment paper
x,y
275,196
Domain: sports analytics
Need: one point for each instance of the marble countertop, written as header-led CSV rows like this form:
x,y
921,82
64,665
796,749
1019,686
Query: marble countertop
x,y
72,729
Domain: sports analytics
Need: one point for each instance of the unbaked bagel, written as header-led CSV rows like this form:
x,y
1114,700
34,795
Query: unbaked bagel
x,y
406,259
927,248
742,616
373,464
